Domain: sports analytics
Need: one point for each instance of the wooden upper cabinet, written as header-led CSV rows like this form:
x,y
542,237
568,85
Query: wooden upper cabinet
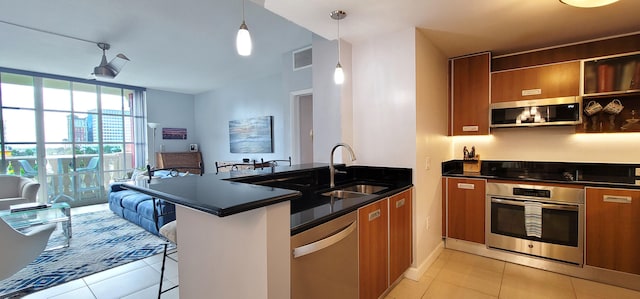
x,y
613,227
469,92
540,82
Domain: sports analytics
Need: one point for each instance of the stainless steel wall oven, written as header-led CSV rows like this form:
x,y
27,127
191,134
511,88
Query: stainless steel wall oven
x,y
560,220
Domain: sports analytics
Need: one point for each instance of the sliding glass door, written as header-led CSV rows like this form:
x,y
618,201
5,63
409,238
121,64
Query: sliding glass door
x,y
73,137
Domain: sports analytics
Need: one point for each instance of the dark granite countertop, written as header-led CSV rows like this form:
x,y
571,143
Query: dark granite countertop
x,y
313,208
209,194
606,175
228,193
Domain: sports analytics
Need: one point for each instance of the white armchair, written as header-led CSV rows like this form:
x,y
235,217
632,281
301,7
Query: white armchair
x,y
18,249
17,190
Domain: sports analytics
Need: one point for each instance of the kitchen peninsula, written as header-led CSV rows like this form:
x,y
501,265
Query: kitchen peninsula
x,y
235,229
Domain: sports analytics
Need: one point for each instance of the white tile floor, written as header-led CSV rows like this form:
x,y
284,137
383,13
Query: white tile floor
x,y
136,280
453,275
461,275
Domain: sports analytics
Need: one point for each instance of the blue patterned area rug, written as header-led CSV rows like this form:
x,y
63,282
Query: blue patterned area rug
x,y
100,241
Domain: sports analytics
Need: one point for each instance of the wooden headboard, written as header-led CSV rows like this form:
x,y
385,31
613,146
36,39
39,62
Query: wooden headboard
x,y
182,161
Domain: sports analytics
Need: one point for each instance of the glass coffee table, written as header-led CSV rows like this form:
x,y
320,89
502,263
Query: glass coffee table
x,y
54,213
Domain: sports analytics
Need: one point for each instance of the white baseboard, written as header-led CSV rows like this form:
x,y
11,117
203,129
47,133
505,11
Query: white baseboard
x,y
414,273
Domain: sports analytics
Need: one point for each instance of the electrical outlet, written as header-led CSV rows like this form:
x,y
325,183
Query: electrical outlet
x,y
427,165
426,225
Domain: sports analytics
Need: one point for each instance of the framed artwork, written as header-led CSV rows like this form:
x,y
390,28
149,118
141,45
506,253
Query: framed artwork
x,y
251,135
174,133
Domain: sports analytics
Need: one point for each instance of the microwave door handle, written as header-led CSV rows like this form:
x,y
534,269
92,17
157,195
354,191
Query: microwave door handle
x,y
544,205
324,243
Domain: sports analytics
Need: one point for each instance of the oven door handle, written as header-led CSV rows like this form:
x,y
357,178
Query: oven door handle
x,y
544,205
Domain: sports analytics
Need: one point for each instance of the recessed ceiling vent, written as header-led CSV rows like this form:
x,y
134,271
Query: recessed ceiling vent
x,y
302,58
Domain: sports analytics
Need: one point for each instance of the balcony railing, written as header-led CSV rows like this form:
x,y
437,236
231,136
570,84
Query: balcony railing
x,y
79,185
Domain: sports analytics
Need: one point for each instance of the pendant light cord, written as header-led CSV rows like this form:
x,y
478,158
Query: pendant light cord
x,y
338,40
242,11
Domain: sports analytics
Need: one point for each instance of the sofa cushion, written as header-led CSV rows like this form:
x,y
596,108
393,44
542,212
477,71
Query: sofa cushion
x,y
139,208
146,208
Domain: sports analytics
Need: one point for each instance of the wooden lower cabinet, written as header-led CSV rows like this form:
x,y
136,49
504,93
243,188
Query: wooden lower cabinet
x,y
384,243
465,209
400,234
372,249
613,229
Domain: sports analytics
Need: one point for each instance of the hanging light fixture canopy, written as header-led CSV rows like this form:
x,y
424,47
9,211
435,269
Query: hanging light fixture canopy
x,y
243,38
338,74
588,3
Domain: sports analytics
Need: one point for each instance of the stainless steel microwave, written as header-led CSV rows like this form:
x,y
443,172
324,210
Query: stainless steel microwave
x,y
541,112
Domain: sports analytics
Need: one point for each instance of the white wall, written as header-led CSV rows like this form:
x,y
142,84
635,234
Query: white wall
x,y
384,100
170,110
432,146
327,114
400,118
556,144
244,99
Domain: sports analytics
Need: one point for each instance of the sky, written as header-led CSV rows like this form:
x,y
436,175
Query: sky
x,y
20,125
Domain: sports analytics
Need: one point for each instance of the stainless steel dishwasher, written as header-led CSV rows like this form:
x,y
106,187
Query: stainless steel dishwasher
x,y
324,260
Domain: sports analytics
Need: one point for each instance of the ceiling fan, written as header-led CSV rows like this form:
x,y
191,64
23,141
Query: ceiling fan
x,y
109,70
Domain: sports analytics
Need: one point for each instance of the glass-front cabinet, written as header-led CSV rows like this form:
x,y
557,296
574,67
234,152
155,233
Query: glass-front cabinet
x,y
612,74
611,94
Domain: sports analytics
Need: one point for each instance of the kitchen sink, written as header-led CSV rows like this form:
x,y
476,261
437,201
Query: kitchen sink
x,y
363,188
354,191
344,194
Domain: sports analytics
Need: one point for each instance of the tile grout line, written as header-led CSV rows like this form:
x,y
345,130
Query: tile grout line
x,y
504,269
573,287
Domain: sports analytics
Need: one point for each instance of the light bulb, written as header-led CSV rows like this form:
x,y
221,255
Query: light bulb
x,y
243,40
338,75
588,3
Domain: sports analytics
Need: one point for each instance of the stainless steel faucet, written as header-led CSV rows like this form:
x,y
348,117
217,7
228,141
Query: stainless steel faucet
x,y
332,170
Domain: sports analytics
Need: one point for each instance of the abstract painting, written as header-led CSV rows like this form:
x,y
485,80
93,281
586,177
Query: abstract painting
x,y
251,135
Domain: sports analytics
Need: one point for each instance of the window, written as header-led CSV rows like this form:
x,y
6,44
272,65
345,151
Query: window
x,y
73,136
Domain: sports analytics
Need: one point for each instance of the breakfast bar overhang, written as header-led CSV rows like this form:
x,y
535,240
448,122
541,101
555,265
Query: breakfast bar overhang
x,y
233,237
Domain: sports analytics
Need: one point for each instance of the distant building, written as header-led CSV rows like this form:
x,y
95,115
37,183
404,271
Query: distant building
x,y
112,126
85,129
78,128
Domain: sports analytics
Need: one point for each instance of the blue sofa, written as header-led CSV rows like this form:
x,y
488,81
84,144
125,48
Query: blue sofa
x,y
140,208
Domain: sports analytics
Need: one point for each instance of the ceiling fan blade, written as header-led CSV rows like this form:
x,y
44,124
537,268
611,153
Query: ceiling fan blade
x,y
117,63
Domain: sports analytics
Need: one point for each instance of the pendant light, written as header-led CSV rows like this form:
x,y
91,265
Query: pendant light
x,y
588,3
243,39
338,74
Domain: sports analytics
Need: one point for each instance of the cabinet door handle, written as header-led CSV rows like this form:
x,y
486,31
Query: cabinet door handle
x,y
399,203
466,186
373,215
616,199
470,128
